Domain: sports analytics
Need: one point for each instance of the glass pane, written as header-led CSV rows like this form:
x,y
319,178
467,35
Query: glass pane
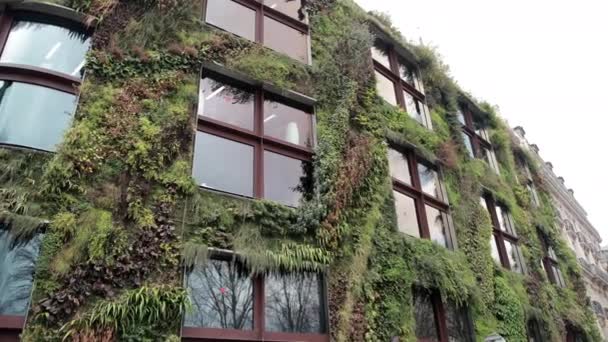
x,y
514,256
429,181
285,39
294,303
289,7
426,326
232,17
437,226
460,116
386,89
503,220
17,265
380,54
225,103
468,144
287,123
285,178
559,277
406,72
484,203
223,164
457,324
413,108
398,166
38,124
221,296
46,46
494,250
407,219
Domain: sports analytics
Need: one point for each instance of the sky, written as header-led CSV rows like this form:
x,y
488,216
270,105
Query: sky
x,y
544,63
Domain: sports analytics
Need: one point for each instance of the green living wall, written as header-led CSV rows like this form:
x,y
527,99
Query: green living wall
x,y
122,215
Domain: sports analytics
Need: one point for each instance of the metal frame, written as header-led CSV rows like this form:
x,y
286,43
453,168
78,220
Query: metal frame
x,y
258,333
256,138
401,85
421,199
500,236
262,11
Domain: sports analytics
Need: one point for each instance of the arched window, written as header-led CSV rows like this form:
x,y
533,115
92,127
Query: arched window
x,y
42,60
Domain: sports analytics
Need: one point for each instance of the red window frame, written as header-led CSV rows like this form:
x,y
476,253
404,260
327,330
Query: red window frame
x,y
500,236
258,333
262,11
399,84
421,198
256,138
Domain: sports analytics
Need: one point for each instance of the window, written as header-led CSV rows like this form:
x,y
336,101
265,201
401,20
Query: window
x,y
397,82
17,263
549,262
420,199
436,321
476,139
41,58
504,241
533,194
275,306
534,331
277,24
252,143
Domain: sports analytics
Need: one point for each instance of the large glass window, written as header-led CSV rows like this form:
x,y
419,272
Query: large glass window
x,y
397,82
41,60
17,263
475,137
504,242
420,200
276,24
46,46
252,143
437,321
227,296
549,261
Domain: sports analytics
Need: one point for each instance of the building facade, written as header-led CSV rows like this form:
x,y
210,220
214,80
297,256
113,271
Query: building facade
x,y
578,232
261,170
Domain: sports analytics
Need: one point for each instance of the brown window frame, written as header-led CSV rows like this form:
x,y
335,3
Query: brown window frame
x,y
261,11
500,236
256,138
258,333
399,84
422,199
441,318
34,75
549,261
478,142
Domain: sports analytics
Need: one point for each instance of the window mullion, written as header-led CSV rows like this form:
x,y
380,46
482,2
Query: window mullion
x,y
259,321
6,22
259,16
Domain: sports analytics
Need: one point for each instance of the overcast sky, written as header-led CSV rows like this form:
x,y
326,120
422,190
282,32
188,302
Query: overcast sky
x,y
543,62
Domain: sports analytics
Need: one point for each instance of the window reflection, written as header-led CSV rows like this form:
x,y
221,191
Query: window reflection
x,y
407,219
494,250
398,165
380,55
429,181
221,296
504,220
460,116
225,103
46,46
426,325
232,17
285,39
407,73
457,324
294,303
17,265
413,108
468,144
287,123
223,164
514,256
437,226
285,178
289,7
386,89
38,124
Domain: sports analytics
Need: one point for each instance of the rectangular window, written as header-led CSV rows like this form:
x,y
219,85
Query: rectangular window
x,y
504,242
17,266
534,199
549,261
476,138
252,143
437,321
420,200
277,24
271,306
398,83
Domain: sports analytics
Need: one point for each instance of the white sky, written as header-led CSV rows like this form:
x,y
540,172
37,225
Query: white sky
x,y
543,62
